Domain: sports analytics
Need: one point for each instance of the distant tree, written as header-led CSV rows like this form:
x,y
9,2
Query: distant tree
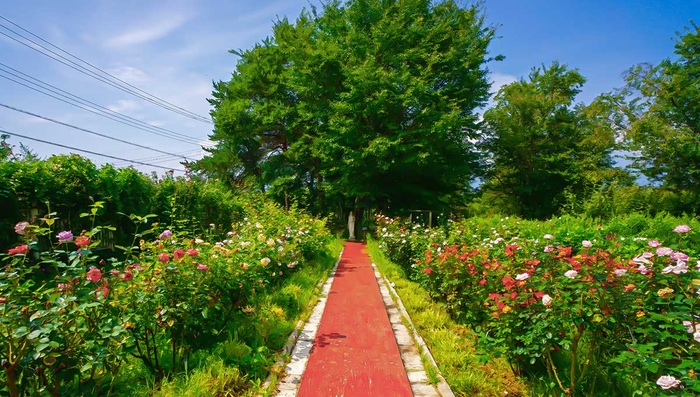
x,y
542,146
664,118
5,148
368,100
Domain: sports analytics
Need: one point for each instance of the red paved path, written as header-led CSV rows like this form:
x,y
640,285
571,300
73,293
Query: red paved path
x,y
355,353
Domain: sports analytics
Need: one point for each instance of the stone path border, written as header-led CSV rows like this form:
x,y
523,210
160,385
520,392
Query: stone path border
x,y
409,352
299,344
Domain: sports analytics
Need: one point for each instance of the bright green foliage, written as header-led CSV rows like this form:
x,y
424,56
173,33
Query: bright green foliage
x,y
71,321
543,146
70,182
664,115
369,101
586,309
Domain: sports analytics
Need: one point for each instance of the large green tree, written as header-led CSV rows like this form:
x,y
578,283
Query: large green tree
x,y
664,119
542,146
365,100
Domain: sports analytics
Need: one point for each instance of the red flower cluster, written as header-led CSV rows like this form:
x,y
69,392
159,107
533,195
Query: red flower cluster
x,y
19,250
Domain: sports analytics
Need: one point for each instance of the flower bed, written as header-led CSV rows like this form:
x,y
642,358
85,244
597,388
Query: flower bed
x,y
577,303
69,320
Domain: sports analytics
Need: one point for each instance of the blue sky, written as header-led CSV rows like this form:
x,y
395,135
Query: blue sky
x,y
175,49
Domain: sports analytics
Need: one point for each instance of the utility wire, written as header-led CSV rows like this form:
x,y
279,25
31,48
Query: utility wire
x,y
164,158
179,154
92,74
190,141
84,102
160,159
88,131
119,83
87,151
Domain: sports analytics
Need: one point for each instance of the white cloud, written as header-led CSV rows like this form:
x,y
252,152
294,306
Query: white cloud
x,y
498,80
129,74
151,31
124,105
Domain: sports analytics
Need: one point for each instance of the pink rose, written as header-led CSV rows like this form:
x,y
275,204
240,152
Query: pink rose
x,y
94,274
681,229
127,276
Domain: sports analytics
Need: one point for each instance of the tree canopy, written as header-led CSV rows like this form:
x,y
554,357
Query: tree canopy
x,y
542,145
369,101
664,118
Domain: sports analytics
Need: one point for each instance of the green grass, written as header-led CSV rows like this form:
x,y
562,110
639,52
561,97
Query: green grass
x,y
240,365
451,344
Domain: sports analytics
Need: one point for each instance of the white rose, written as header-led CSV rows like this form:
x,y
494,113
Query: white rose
x,y
546,300
548,237
668,382
692,328
586,244
571,274
522,276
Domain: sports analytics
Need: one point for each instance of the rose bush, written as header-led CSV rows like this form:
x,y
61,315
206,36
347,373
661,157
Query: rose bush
x,y
588,299
69,320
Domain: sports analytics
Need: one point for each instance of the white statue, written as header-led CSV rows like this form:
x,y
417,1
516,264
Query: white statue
x,y
351,225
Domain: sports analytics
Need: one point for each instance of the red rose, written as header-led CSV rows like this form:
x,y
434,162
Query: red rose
x,y
19,250
82,241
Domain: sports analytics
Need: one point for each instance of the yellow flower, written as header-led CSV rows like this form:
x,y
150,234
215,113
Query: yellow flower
x,y
664,292
278,311
640,314
506,309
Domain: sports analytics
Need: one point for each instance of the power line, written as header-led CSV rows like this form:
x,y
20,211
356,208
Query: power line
x,y
190,141
84,102
110,80
92,74
86,130
161,159
179,154
87,151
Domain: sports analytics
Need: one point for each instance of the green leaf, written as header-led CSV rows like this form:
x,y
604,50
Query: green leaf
x,y
20,332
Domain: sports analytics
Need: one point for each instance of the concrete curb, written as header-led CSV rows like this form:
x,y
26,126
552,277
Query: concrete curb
x,y
442,386
299,344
